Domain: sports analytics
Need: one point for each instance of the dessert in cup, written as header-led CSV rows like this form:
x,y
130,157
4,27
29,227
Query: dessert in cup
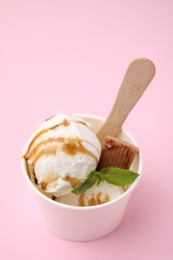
x,y
84,168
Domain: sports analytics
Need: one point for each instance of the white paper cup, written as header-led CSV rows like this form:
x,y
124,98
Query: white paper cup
x,y
85,223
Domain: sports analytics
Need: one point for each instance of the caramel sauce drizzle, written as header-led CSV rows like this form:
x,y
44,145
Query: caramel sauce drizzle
x,y
64,123
54,197
94,200
70,146
72,181
80,122
27,168
124,188
50,117
48,181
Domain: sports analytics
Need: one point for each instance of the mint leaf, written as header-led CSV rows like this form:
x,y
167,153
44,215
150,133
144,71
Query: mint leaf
x,y
85,184
99,177
118,176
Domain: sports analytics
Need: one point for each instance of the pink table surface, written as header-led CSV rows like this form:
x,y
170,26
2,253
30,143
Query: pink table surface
x,y
68,57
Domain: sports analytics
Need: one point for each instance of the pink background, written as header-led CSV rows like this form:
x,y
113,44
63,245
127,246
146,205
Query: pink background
x,y
71,56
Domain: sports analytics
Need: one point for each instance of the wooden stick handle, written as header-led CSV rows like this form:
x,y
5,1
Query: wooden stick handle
x,y
137,78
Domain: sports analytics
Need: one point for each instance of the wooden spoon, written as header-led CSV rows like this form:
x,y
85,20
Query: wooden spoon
x,y
138,76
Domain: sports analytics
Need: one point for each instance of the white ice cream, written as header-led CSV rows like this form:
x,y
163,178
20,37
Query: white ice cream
x,y
64,150
94,196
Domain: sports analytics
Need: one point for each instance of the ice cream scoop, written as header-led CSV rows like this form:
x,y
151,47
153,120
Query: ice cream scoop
x,y
94,196
62,152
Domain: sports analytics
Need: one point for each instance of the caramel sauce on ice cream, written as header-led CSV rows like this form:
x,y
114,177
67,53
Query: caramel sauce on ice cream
x,y
58,141
70,146
64,123
94,200
72,181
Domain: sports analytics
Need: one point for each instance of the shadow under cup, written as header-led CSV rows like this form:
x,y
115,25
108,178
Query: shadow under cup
x,y
84,223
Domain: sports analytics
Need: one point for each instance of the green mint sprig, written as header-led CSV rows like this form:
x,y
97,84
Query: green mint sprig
x,y
116,176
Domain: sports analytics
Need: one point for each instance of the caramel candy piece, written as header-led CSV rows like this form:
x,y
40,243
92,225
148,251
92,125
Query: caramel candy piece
x,y
117,153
